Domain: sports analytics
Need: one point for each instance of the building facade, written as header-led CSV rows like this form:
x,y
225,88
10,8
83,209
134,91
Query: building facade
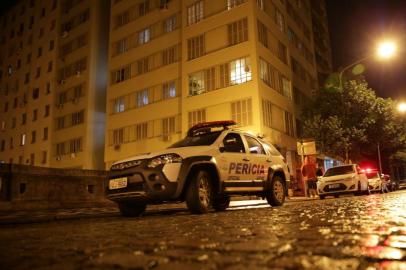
x,y
53,62
180,62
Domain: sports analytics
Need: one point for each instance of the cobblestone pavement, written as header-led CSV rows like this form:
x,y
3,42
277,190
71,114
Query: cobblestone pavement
x,y
367,232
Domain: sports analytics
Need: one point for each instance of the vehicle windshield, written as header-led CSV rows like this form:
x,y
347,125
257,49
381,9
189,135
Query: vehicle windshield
x,y
339,170
371,175
198,140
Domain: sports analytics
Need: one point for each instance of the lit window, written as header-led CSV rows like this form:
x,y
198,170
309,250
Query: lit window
x,y
169,90
241,112
195,13
142,98
119,105
170,24
240,71
196,117
144,36
22,142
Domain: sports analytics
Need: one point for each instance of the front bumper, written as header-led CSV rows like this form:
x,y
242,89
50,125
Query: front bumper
x,y
145,184
337,187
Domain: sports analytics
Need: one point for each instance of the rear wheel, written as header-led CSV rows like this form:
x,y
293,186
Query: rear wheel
x,y
199,194
221,202
276,193
359,191
322,197
128,209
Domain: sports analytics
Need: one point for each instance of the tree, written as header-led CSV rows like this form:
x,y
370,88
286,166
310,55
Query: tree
x,y
350,122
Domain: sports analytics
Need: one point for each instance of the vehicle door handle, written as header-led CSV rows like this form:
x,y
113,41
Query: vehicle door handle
x,y
246,159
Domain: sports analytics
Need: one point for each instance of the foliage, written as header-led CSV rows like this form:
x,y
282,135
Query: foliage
x,y
353,119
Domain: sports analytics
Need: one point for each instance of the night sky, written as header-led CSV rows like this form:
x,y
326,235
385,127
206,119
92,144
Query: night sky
x,y
355,28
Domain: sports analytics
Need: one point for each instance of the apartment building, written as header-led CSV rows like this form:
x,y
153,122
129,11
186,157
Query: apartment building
x,y
176,63
53,68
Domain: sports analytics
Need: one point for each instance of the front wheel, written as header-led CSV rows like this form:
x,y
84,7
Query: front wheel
x,y
276,193
199,194
221,202
322,197
128,209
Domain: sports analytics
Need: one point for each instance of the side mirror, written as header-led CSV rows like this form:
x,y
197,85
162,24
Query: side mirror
x,y
222,149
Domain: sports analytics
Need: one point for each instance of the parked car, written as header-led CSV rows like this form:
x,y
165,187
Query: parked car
x,y
374,180
341,180
212,163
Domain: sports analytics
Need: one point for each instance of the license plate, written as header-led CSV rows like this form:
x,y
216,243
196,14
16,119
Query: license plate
x,y
334,186
118,183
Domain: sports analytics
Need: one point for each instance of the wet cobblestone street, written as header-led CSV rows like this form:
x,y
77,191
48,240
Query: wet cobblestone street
x,y
367,232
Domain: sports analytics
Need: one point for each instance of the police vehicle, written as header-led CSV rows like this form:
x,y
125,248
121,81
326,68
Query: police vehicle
x,y
211,164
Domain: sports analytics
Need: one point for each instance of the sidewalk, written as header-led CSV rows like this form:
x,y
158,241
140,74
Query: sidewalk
x,y
37,216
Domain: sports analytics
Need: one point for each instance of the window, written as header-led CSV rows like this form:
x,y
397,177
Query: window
x,y
122,74
144,36
196,117
60,149
142,98
195,13
49,66
240,71
267,112
22,139
34,115
6,107
48,88
60,122
35,93
77,91
280,21
285,87
118,136
254,146
51,45
123,18
170,24
3,145
262,34
237,32
169,90
77,118
241,112
195,47
33,136
233,143
282,52
44,157
143,8
23,119
169,55
28,58
45,134
202,81
41,33
3,125
32,159
39,52
119,105
267,73
13,122
11,143
141,131
27,78
143,65
233,3
289,124
75,145
38,73
47,110
122,46
168,126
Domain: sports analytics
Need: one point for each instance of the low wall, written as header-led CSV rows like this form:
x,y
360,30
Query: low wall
x,y
28,187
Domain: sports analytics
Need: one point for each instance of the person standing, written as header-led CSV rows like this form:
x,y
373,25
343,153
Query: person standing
x,y
309,168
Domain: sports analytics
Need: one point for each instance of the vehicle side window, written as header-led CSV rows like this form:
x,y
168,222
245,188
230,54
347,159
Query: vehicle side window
x,y
254,146
233,143
271,149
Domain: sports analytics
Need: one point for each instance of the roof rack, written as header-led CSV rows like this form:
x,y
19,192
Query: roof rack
x,y
224,124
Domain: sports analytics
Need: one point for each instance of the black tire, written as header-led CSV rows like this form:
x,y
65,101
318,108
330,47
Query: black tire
x,y
359,191
199,194
276,194
131,209
322,197
221,202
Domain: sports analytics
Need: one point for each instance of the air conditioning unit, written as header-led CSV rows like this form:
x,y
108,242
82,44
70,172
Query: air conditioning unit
x,y
117,147
65,34
58,158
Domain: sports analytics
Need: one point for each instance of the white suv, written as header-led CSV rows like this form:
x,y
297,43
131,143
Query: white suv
x,y
341,180
212,163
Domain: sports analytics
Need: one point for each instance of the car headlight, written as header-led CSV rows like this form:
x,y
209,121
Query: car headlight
x,y
164,159
125,165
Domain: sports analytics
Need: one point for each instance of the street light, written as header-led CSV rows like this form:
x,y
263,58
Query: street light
x,y
384,50
402,107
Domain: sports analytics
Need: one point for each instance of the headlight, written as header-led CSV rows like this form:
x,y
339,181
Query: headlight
x,y
164,159
125,165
